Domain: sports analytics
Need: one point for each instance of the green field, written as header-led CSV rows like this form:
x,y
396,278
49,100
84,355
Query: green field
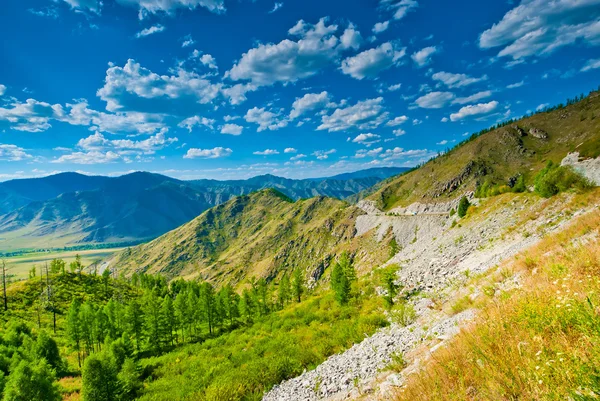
x,y
19,266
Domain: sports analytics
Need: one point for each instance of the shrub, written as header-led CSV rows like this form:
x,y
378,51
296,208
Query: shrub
x,y
554,179
463,206
403,313
520,186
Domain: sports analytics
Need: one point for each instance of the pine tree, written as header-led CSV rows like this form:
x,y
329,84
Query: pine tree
x,y
152,320
342,277
230,301
167,320
181,313
463,206
134,321
298,285
285,291
99,377
31,380
57,266
246,306
45,347
74,328
207,298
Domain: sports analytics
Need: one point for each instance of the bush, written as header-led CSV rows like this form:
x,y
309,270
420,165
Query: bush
x,y
554,179
520,186
463,206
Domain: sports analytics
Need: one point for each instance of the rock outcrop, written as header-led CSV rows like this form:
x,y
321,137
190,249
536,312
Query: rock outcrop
x,y
589,168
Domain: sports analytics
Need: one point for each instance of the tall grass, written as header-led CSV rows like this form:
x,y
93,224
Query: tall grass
x,y
538,343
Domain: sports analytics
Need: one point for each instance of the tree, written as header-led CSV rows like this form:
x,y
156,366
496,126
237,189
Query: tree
x,y
285,291
31,380
181,313
152,320
246,306
57,266
520,185
298,285
394,248
167,319
388,282
5,299
134,321
342,277
74,329
129,379
207,300
230,301
463,206
99,377
106,279
45,347
76,266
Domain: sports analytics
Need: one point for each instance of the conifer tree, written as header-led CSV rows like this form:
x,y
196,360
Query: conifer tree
x,y
74,328
298,285
167,320
285,291
99,377
134,321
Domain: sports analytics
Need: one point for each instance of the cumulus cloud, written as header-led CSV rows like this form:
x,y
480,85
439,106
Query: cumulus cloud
x,y
351,38
397,121
289,61
93,157
362,153
2,89
214,153
456,80
150,31
323,154
381,27
399,8
364,115
474,110
196,121
266,152
147,7
515,85
590,65
266,120
125,86
13,153
232,129
290,150
85,6
401,153
370,63
310,102
367,138
187,41
399,132
394,88
434,100
473,98
98,142
539,27
423,56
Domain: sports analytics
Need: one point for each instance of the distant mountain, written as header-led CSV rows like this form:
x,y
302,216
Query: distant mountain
x,y
74,209
377,172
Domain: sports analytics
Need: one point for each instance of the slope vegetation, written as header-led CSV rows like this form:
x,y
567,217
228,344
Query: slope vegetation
x,y
259,234
500,155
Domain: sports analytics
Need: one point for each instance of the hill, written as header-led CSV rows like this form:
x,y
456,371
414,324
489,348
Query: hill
x,y
496,157
260,235
73,209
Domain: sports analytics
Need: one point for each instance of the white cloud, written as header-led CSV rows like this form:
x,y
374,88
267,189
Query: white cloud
x,y
323,154
150,31
93,157
364,138
423,56
276,7
434,100
351,38
187,41
590,65
133,80
232,129
362,153
456,80
84,6
209,61
397,121
473,110
370,63
13,153
266,120
125,147
542,106
399,8
289,61
539,27
196,121
297,157
310,102
443,142
364,115
2,89
399,132
473,98
515,85
381,27
31,116
401,153
147,7
394,88
290,150
214,153
266,152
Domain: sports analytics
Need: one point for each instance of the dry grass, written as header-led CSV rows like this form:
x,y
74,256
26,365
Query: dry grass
x,y
538,343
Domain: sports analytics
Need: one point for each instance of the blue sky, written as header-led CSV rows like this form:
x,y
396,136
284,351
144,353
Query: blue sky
x,y
236,88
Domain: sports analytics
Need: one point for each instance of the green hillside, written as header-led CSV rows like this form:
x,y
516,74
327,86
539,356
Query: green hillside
x,y
500,155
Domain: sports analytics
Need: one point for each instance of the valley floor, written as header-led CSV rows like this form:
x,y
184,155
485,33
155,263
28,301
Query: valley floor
x,y
450,271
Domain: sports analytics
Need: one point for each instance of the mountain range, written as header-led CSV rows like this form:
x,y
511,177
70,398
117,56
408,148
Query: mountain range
x,y
70,209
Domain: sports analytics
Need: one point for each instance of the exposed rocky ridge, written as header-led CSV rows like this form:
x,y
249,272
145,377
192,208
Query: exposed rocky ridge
x,y
589,168
438,258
